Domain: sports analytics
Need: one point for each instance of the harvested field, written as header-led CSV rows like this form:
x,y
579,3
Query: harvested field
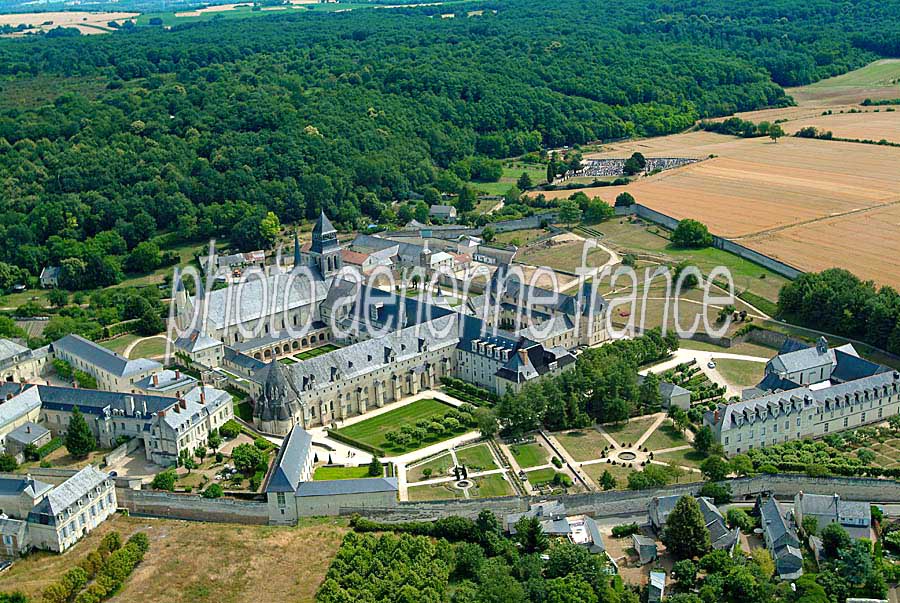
x,y
865,243
869,125
84,21
878,80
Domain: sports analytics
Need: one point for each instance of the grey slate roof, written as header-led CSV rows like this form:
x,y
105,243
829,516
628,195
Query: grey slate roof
x,y
27,433
775,525
13,486
10,349
294,454
70,491
832,506
366,485
195,410
94,402
167,380
13,527
196,342
19,406
661,507
98,356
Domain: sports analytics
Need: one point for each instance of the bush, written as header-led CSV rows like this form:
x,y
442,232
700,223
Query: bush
x,y
621,531
556,462
213,491
165,480
231,429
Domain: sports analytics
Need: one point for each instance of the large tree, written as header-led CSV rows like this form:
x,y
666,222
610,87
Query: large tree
x,y
80,439
685,534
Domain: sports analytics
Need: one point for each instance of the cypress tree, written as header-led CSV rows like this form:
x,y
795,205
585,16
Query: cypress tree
x,y
685,534
79,439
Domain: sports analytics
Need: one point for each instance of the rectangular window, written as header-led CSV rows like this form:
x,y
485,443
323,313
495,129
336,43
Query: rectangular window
x,y
826,427
845,421
798,421
280,497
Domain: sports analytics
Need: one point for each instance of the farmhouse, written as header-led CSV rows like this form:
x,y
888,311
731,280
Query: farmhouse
x,y
445,213
807,393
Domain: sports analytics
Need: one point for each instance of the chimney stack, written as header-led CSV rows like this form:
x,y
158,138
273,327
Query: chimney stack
x,y
202,396
716,415
182,403
523,355
28,429
9,396
143,406
129,405
177,374
155,379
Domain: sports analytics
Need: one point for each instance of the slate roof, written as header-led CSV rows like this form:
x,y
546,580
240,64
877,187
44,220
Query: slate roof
x,y
96,355
10,349
442,210
13,527
661,507
166,380
339,487
19,406
832,506
195,410
849,367
667,390
779,532
69,492
538,362
293,456
196,342
50,272
95,402
242,360
14,486
594,532
27,433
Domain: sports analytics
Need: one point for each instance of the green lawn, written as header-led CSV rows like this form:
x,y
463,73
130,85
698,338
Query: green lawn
x,y
629,432
665,436
287,360
331,473
565,256
747,348
149,348
885,72
687,457
119,343
740,373
476,458
322,349
539,477
520,237
438,466
372,431
244,411
434,492
530,455
492,485
619,472
584,444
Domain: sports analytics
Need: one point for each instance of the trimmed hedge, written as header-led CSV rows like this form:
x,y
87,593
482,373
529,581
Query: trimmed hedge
x,y
52,445
334,434
451,528
469,393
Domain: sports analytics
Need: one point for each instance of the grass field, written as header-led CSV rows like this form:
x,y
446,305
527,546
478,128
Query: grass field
x,y
287,360
434,492
620,472
530,455
665,436
149,348
740,373
244,411
687,457
202,562
331,473
371,431
565,256
511,172
323,349
118,344
476,458
520,237
748,348
539,477
493,485
438,466
584,444
876,80
629,432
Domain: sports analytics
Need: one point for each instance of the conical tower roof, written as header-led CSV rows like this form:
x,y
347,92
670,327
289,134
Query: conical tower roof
x,y
278,399
323,225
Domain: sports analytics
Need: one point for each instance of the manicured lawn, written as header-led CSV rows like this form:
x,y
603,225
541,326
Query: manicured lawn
x,y
476,458
530,455
746,348
149,348
492,485
323,349
539,477
629,432
372,431
563,256
740,373
665,436
118,344
687,457
520,237
584,444
619,472
439,467
330,473
434,492
287,360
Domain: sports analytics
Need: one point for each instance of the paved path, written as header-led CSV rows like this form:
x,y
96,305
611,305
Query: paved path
x,y
701,356
574,465
673,449
608,437
450,478
657,421
515,468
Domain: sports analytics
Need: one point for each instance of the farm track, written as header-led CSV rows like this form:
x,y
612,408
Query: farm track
x,y
850,212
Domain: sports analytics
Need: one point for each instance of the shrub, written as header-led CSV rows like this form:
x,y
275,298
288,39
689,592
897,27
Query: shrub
x,y
213,491
556,462
621,531
165,480
230,429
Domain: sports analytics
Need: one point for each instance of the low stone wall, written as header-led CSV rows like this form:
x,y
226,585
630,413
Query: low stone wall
x,y
192,507
119,453
850,488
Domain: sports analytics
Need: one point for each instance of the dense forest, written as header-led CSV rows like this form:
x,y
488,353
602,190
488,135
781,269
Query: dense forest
x,y
226,128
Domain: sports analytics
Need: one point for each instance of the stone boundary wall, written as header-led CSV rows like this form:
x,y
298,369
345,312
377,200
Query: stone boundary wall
x,y
121,451
192,507
776,266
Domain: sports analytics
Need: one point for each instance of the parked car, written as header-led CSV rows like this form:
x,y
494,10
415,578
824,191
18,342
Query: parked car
x,y
711,364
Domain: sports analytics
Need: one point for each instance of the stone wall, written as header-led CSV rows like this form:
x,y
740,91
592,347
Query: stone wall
x,y
192,507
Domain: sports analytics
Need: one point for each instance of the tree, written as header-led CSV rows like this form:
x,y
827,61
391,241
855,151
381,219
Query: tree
x,y
685,572
144,258
214,440
715,468
150,323
8,463
703,440
741,464
691,234
551,170
486,421
685,534
569,212
468,559
524,182
810,525
649,396
200,452
213,491
607,481
248,458
775,132
466,200
719,493
186,460
375,468
570,589
530,535
624,199
488,234
834,540
165,480
80,440
738,518
763,559
58,297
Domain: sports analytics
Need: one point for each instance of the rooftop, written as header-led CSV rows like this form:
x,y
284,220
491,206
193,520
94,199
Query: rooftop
x,y
107,360
366,485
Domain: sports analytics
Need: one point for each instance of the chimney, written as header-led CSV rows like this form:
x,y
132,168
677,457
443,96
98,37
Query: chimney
x,y
182,403
837,498
9,396
333,374
161,414
155,379
421,345
523,355
716,416
129,405
202,396
177,375
800,494
177,407
28,429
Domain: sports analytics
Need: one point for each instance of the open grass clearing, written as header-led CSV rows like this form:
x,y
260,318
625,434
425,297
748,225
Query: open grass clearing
x,y
492,485
372,431
149,348
118,344
740,373
202,562
539,477
583,444
565,257
687,457
436,467
530,455
434,492
630,431
326,473
665,436
520,237
746,348
287,360
619,472
476,458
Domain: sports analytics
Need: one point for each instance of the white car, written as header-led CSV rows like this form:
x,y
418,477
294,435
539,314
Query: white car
x,y
711,364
